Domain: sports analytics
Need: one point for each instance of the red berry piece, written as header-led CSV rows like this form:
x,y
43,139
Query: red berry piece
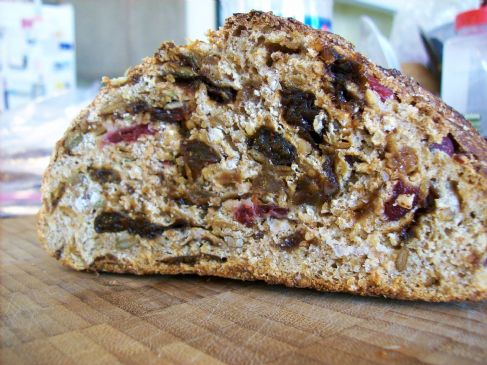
x,y
129,134
383,91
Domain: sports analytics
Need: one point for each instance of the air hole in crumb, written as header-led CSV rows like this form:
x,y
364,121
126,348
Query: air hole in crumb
x,y
238,31
276,47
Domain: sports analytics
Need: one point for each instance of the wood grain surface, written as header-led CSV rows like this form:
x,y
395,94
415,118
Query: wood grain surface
x,y
53,315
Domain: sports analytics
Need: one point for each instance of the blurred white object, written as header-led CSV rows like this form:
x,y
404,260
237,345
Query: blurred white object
x,y
375,46
27,136
427,15
200,16
37,53
315,13
464,77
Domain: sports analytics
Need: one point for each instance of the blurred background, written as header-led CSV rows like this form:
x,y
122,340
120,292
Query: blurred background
x,y
54,53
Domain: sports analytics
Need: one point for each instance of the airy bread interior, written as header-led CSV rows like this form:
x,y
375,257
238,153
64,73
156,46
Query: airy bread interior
x,y
270,152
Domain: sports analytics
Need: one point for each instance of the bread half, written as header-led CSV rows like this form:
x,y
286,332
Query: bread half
x,y
272,152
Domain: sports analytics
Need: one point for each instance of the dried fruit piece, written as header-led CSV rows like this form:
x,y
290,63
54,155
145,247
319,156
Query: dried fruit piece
x,y
330,183
104,175
394,211
383,91
345,73
137,107
247,212
192,259
129,134
291,241
403,161
111,222
273,146
144,228
300,111
197,155
446,146
352,159
198,196
308,191
229,177
170,115
267,182
166,114
57,194
318,189
271,210
220,94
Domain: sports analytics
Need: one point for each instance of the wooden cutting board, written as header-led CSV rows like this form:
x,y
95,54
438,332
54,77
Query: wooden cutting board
x,y
53,315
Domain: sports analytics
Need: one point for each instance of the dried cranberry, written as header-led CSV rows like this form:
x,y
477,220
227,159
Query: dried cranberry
x,y
111,222
383,91
129,134
300,111
273,146
198,155
245,214
271,210
394,211
446,146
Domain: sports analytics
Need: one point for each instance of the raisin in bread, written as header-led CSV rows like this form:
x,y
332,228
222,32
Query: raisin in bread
x,y
273,152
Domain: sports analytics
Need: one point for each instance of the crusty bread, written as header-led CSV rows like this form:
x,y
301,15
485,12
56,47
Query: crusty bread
x,y
273,152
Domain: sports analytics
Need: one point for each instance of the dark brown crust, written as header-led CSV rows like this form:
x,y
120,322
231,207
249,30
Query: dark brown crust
x,y
240,270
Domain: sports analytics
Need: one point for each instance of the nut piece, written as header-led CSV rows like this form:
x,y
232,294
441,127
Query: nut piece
x,y
405,200
402,259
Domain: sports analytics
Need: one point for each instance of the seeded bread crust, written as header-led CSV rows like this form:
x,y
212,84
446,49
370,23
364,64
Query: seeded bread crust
x,y
470,158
